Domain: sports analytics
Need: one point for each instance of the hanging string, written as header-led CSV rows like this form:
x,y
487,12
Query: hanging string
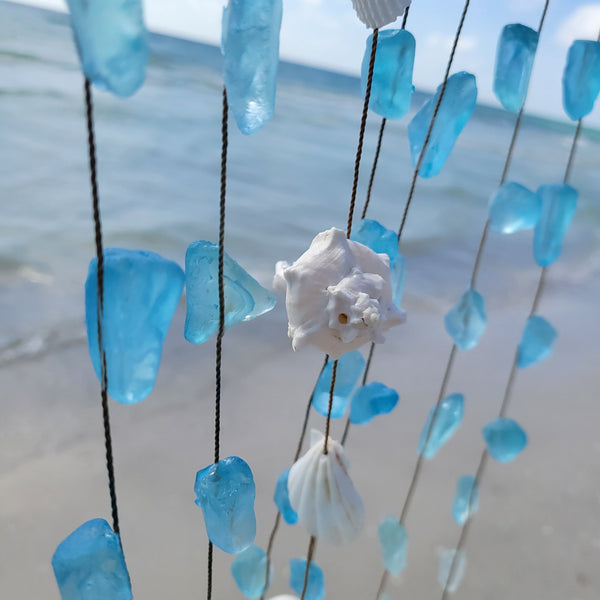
x,y
309,556
361,134
296,457
507,392
328,422
221,330
89,109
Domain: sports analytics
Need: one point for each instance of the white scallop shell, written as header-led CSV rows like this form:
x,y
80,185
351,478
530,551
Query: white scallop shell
x,y
338,295
377,13
285,597
322,493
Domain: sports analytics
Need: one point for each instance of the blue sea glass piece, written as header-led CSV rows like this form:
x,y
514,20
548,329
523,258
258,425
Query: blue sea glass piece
x,y
249,570
449,577
141,292
225,492
245,298
250,46
112,43
455,110
89,564
371,400
315,588
466,499
282,499
374,235
393,540
448,417
504,439
514,208
466,322
581,78
392,87
537,341
349,369
559,202
514,61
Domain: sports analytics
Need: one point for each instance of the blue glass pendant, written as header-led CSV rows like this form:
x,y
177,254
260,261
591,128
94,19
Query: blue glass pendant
x,y
315,589
514,208
448,417
393,540
581,78
537,341
371,400
505,439
249,571
467,321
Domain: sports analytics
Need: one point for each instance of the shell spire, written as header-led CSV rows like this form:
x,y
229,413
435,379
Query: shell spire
x,y
377,13
323,495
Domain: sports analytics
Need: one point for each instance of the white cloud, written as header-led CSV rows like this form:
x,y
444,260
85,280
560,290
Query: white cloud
x,y
442,42
525,6
582,24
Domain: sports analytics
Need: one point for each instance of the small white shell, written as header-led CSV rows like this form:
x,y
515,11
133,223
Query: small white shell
x,y
338,295
322,493
377,13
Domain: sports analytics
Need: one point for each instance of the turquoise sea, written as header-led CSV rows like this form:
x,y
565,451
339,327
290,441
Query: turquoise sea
x,y
537,533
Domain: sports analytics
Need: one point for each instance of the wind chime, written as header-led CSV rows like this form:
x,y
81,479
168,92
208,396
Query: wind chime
x,y
343,293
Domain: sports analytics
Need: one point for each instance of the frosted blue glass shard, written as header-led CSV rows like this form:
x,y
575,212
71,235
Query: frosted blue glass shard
x,y
89,564
456,109
392,87
112,43
249,571
581,78
373,234
141,292
371,400
505,439
245,298
282,499
393,540
349,369
315,589
466,322
514,208
448,417
537,341
449,577
466,499
514,61
250,46
225,492
559,202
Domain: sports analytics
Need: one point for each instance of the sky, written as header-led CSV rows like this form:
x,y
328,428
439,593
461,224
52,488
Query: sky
x,y
328,34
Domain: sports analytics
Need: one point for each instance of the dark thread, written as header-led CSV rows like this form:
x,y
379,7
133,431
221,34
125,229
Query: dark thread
x,y
361,135
413,182
296,457
405,17
221,330
374,168
89,109
328,422
309,556
364,382
572,153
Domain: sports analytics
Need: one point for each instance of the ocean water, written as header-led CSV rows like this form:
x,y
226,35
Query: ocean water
x,y
158,170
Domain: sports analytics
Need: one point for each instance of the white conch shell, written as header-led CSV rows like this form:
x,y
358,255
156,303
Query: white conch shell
x,y
322,493
338,295
377,13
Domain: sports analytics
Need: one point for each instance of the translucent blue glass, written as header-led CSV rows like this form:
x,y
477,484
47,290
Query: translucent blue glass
x,y
514,61
559,202
537,341
466,499
249,571
448,417
225,492
505,439
455,110
315,589
514,208
282,499
250,46
371,400
141,292
89,564
467,321
245,298
392,87
393,540
349,371
112,43
450,578
581,78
